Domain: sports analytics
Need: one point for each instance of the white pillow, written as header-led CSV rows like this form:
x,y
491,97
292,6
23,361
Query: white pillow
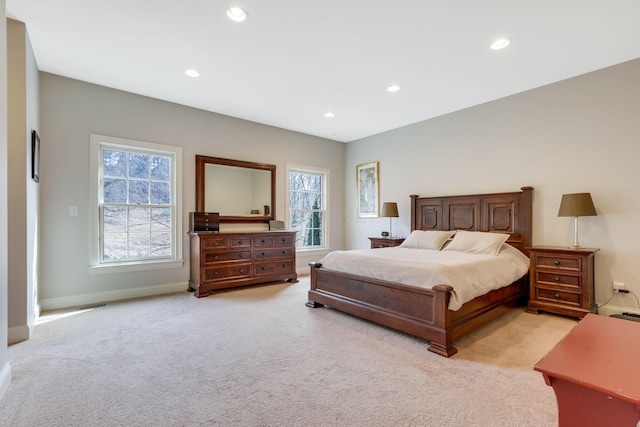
x,y
427,239
477,242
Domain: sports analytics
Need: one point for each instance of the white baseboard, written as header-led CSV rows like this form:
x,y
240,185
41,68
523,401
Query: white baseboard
x,y
608,310
18,334
5,379
100,297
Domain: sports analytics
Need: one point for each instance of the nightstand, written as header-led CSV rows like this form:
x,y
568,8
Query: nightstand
x,y
561,281
385,242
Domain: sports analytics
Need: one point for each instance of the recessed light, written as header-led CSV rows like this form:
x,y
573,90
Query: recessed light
x,y
393,88
237,14
329,114
192,73
500,44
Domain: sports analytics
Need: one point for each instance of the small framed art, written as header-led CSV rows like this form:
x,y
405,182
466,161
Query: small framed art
x,y
367,190
35,156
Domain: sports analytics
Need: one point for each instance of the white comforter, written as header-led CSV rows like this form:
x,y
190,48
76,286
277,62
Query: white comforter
x,y
470,275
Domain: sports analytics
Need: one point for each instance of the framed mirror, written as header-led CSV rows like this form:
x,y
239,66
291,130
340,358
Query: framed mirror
x,y
240,191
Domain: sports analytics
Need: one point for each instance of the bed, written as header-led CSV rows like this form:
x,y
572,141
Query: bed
x,y
424,312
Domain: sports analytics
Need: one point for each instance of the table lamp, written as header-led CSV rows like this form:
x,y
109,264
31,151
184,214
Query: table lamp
x,y
390,209
575,205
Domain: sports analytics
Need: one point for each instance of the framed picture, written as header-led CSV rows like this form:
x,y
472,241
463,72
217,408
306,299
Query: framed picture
x,y
35,156
367,183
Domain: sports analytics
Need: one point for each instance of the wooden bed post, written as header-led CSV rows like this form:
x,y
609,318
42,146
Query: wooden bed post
x,y
414,197
314,278
443,345
526,218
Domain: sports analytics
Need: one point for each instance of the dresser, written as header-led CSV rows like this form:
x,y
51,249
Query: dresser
x,y
561,280
385,242
594,373
228,260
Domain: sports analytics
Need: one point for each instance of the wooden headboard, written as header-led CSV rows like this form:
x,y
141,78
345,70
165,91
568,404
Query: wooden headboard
x,y
498,212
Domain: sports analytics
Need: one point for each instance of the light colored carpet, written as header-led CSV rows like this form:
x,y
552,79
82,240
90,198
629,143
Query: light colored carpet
x,y
259,357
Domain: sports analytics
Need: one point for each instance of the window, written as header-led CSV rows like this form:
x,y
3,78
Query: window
x,y
136,210
307,189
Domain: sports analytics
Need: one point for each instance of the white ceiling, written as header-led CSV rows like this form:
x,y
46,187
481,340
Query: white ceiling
x,y
294,60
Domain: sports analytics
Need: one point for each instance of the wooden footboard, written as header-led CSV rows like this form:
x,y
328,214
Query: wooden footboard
x,y
416,311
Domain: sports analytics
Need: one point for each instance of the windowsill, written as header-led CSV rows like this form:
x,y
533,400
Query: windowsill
x,y
134,266
312,250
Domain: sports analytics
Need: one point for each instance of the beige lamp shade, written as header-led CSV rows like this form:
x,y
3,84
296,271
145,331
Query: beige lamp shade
x,y
577,204
389,209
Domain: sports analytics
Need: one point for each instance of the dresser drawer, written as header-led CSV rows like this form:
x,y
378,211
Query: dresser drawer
x,y
213,257
566,280
559,262
559,296
224,272
263,241
285,240
272,253
240,242
211,242
274,267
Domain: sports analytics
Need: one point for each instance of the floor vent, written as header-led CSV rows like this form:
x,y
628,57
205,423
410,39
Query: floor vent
x,y
89,307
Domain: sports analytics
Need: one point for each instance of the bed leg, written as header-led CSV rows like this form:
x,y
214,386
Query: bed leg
x,y
313,304
446,351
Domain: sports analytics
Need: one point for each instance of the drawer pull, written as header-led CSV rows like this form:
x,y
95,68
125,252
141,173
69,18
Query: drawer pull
x,y
556,262
215,257
262,268
262,253
216,243
284,252
557,279
242,270
262,240
215,273
557,296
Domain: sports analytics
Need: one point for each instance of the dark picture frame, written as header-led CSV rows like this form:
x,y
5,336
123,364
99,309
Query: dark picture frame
x,y
35,156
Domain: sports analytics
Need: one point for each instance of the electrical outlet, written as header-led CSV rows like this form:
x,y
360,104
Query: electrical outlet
x,y
618,285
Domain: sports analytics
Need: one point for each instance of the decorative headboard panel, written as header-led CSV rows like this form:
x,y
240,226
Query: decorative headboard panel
x,y
498,212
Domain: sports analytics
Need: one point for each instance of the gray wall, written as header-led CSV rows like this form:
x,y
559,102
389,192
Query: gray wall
x,y
577,135
71,110
5,368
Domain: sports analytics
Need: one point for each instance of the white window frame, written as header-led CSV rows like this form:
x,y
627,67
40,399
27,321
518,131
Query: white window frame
x,y
97,144
325,202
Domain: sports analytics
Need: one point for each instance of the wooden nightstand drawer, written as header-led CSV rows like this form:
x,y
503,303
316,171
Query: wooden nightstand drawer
x,y
543,277
559,296
564,263
561,281
385,242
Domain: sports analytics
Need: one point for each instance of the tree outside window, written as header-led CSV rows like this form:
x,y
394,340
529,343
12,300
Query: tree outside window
x,y
307,210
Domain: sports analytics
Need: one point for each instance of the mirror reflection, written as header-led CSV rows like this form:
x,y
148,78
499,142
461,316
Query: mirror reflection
x,y
234,191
